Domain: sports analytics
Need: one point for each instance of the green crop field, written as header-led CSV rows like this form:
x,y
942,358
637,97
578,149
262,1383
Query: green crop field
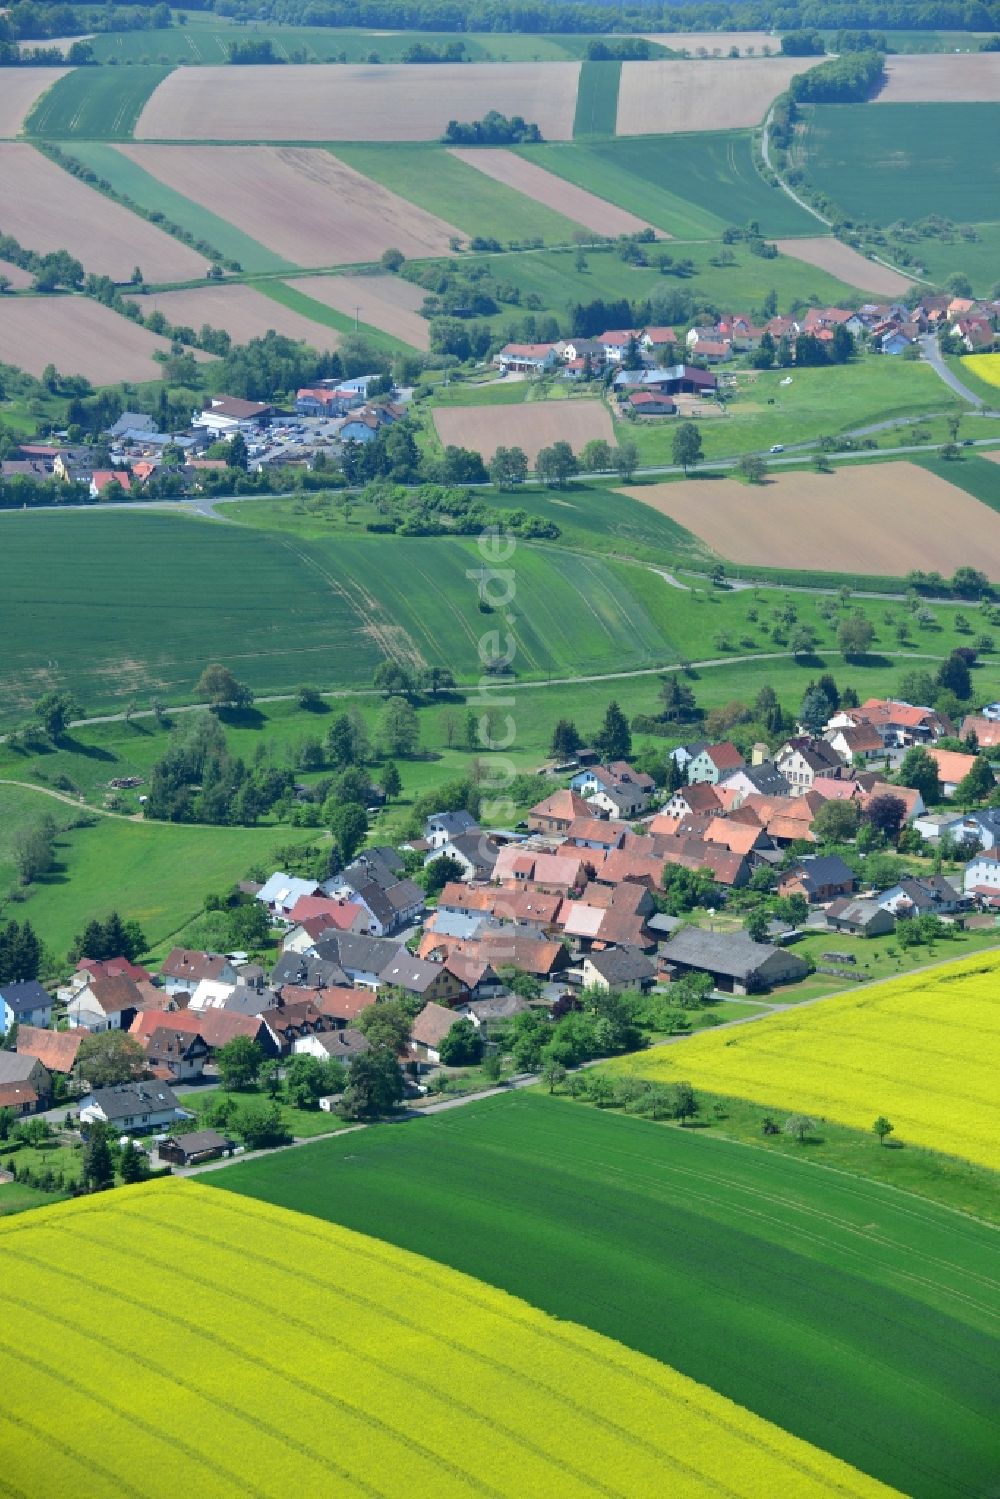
x,y
156,873
859,1318
127,177
319,312
597,99
905,161
689,186
433,179
94,103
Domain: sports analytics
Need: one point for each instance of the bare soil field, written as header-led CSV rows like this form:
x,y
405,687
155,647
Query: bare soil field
x,y
994,456
534,425
19,280
46,209
884,518
384,302
62,42
243,311
667,95
356,102
301,202
942,78
715,42
21,88
80,337
828,254
544,187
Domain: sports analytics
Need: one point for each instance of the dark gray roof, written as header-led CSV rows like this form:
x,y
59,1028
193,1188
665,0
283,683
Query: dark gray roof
x,y
381,866
733,954
857,912
766,779
479,849
134,1098
200,1141
408,972
622,965
501,1007
363,954
454,824
663,924
823,869
24,995
17,1066
308,972
404,894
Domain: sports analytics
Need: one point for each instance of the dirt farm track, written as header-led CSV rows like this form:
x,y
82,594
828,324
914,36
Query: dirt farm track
x,y
356,102
886,518
531,426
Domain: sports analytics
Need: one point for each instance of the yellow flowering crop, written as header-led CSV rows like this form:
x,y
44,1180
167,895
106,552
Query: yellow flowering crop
x,y
986,366
169,1340
924,1050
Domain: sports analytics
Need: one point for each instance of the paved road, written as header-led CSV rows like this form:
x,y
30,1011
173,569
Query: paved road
x,y
932,354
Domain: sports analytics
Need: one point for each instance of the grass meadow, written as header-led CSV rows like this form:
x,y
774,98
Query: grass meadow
x,y
94,103
126,176
433,179
832,1306
295,1356
690,186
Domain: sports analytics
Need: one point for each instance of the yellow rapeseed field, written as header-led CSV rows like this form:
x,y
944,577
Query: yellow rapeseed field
x,y
173,1340
924,1050
986,366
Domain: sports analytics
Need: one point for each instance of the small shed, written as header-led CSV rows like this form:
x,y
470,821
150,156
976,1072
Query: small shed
x,y
191,1150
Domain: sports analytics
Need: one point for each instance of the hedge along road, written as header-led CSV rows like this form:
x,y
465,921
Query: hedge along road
x,y
861,1318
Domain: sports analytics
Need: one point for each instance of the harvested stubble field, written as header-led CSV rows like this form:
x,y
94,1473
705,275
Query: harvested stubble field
x,y
302,203
828,254
937,78
18,278
243,311
393,1375
385,302
555,192
46,209
531,425
667,95
356,102
715,42
881,518
80,337
22,88
855,1315
922,1049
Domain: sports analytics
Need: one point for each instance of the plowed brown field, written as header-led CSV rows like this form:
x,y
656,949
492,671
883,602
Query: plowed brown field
x,y
942,78
300,202
666,95
531,426
561,196
356,102
19,280
884,518
828,254
243,311
45,209
384,302
80,337
20,88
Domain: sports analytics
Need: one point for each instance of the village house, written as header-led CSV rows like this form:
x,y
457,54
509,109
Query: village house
x,y
985,731
24,1002
556,812
978,827
55,1050
420,979
898,724
981,878
290,1022
617,790
924,895
763,779
697,800
332,1046
820,878
860,742
527,359
479,980
429,1030
175,1056
216,1027
133,1108
27,1074
195,1148
802,759
362,959
102,477
442,827
644,403
224,416
859,918
617,969
110,1004
713,761
475,852
183,970
489,1013
952,768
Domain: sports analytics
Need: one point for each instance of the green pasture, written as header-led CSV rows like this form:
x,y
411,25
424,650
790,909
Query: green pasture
x,y
94,103
690,186
156,873
552,276
302,1123
833,1306
153,196
905,161
597,99
817,403
433,179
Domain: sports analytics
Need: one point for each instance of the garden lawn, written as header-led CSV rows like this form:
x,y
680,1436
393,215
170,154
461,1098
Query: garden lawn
x,y
128,177
94,103
860,1318
689,186
221,1347
302,1123
433,179
920,1049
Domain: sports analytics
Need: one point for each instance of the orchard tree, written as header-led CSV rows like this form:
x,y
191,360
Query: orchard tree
x,y
54,712
106,1058
626,459
556,464
799,1125
399,729
596,455
687,445
239,1062
218,687
756,923
855,635
349,826
391,783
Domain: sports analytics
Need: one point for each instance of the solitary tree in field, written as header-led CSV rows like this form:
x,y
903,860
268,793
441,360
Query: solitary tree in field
x,y
799,1125
391,783
882,1128
218,687
855,635
752,467
508,467
687,448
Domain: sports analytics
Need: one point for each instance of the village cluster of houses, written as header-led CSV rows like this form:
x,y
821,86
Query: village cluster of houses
x,y
568,899
136,447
